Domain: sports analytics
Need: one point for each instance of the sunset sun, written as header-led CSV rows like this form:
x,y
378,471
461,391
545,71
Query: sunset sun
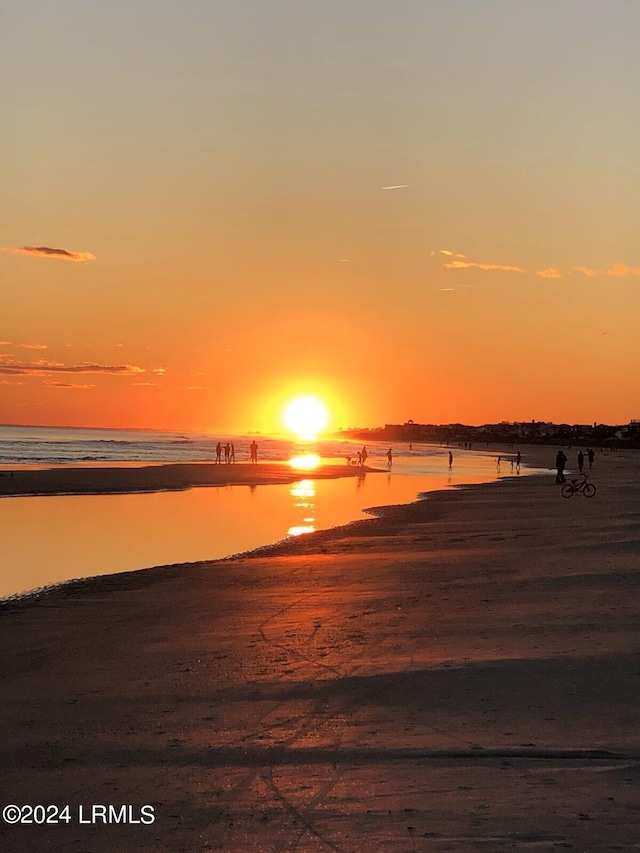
x,y
305,417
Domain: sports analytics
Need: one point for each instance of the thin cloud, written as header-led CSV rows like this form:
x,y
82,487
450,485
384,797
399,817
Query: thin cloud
x,y
9,382
465,265
48,252
11,367
197,388
67,385
451,254
5,343
159,371
33,346
550,273
143,384
397,187
622,270
587,271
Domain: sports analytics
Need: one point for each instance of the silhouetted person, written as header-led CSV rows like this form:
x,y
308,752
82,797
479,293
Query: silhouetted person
x,y
498,461
253,448
227,452
561,461
389,458
218,452
450,459
364,455
590,457
518,458
580,461
359,457
232,455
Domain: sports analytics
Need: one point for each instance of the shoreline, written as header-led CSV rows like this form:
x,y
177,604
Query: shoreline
x,y
161,477
459,671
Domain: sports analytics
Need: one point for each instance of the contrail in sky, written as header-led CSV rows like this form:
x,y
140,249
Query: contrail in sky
x,y
397,187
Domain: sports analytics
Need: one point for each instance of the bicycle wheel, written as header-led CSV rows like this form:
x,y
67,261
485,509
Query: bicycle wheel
x,y
589,490
567,490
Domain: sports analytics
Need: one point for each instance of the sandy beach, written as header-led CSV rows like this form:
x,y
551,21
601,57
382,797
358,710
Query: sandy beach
x,y
122,479
459,674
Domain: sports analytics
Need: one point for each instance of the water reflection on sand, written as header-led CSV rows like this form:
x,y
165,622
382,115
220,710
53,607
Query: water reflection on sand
x,y
56,538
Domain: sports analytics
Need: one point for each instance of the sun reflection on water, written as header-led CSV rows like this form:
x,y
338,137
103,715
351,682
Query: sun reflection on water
x,y
303,493
305,462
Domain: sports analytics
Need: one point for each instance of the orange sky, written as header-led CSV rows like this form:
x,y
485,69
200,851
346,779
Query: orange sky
x,y
423,212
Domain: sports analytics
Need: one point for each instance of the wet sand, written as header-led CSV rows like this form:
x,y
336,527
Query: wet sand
x,y
68,480
459,674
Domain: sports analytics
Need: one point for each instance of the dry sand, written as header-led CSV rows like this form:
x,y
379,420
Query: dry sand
x,y
460,674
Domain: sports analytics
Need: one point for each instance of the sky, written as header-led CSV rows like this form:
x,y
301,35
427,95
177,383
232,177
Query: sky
x,y
419,210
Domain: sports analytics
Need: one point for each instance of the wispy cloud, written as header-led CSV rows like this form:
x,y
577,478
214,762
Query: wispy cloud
x,y
197,388
465,265
48,252
587,271
5,343
33,346
42,367
9,382
159,371
67,385
143,384
457,261
397,187
615,270
622,270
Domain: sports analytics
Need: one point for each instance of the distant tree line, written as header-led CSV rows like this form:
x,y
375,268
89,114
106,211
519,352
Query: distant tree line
x,y
526,432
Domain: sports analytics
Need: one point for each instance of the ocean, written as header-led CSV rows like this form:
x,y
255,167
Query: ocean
x,y
22,445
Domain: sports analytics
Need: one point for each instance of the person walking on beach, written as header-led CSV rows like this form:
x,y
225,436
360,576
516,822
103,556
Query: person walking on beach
x,y
518,458
389,458
364,455
498,461
227,452
253,447
561,461
218,453
590,457
580,461
450,459
232,457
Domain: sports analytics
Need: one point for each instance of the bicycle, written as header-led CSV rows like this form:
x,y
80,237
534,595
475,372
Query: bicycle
x,y
575,486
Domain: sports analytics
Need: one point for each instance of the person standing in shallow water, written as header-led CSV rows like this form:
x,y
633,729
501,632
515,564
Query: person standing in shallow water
x,y
389,458
561,461
518,458
363,455
450,459
253,448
